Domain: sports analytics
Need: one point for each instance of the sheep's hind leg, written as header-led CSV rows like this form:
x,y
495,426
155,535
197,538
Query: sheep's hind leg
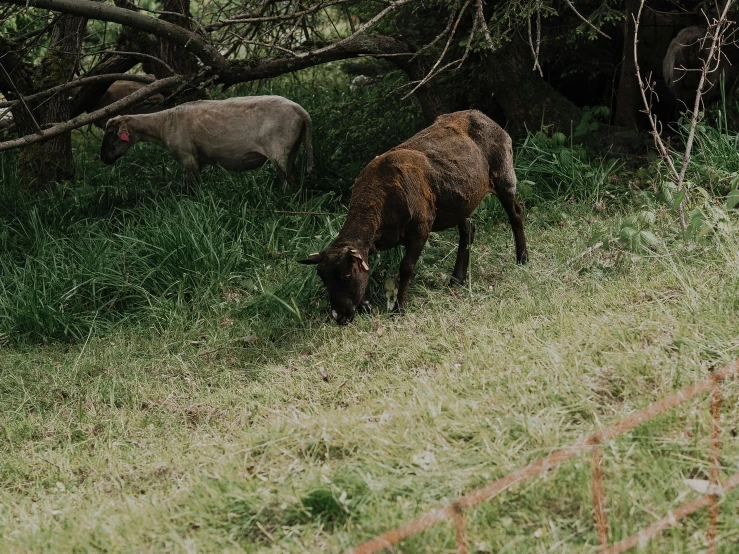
x,y
513,209
292,171
284,172
461,266
192,174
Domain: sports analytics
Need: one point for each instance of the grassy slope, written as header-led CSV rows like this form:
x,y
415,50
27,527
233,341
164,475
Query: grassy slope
x,y
201,400
160,442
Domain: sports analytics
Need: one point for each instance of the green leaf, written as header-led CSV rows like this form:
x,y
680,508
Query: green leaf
x,y
678,199
732,200
649,238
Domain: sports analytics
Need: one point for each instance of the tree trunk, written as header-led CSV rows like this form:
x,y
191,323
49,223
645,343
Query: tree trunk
x,y
177,57
49,162
527,100
628,95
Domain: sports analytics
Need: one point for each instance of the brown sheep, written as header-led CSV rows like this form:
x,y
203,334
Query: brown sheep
x,y
119,90
682,65
431,182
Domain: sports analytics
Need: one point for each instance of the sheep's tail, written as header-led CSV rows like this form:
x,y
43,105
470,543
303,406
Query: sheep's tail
x,y
308,142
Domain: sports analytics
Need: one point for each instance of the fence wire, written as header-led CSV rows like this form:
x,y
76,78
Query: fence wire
x,y
710,500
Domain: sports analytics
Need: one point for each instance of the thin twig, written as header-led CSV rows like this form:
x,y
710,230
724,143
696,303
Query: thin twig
x,y
392,7
431,73
285,212
588,251
449,23
142,55
252,18
475,23
586,20
535,49
661,148
266,45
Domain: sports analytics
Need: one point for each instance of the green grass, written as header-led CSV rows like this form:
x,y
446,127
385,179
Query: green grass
x,y
170,380
224,433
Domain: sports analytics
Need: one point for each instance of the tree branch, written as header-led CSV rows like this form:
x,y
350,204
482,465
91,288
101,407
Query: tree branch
x,y
104,12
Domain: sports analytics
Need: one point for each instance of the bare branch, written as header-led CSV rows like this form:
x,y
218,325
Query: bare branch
x,y
484,25
535,49
143,55
431,73
719,28
264,44
371,23
254,18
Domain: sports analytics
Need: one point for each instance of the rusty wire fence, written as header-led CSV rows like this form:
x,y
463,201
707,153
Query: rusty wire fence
x,y
710,500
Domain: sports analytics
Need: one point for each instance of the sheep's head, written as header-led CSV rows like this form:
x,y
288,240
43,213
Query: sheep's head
x,y
345,273
116,140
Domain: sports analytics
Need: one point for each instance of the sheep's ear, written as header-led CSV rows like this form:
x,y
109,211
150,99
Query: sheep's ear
x,y
312,259
361,262
123,132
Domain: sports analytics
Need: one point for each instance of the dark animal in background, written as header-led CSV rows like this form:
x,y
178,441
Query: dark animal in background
x,y
238,134
118,90
682,65
431,182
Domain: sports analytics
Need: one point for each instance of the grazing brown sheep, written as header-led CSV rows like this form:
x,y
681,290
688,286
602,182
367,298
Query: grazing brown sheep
x,y
118,90
238,134
431,182
682,65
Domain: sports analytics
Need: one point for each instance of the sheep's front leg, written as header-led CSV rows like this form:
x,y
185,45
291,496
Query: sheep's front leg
x,y
461,266
413,248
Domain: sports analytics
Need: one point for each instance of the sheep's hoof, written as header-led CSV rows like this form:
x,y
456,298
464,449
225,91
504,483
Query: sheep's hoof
x,y
398,310
523,258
